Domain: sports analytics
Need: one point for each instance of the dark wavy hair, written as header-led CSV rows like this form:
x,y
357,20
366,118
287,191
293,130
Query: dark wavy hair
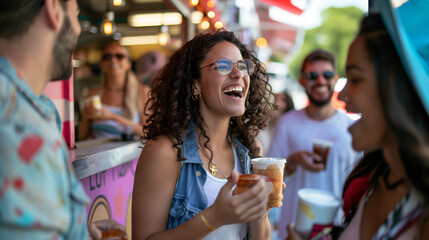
x,y
403,109
171,101
319,55
17,16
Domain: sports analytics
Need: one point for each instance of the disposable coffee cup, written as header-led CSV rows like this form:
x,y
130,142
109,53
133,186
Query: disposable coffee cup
x,y
272,170
315,206
322,148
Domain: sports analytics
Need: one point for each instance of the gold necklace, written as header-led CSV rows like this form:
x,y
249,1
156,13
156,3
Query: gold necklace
x,y
214,170
212,166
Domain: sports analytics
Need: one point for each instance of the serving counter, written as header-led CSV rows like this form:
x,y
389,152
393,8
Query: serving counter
x,y
106,168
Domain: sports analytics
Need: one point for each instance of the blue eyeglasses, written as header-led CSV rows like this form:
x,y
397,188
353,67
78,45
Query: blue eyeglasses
x,y
328,75
225,66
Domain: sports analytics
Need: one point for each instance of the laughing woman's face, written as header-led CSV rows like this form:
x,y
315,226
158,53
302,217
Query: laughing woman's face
x,y
222,94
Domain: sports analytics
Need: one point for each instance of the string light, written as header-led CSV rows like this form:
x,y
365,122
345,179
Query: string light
x,y
196,17
211,4
193,2
108,26
211,14
261,42
205,24
118,3
218,24
164,36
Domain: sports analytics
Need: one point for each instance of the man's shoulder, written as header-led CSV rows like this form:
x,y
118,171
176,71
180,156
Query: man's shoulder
x,y
4,82
6,90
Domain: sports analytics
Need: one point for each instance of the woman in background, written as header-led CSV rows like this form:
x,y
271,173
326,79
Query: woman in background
x,y
121,100
386,195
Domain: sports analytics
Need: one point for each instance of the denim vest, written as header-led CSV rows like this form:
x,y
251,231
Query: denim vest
x,y
189,198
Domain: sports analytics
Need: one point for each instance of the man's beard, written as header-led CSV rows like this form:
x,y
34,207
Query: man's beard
x,y
322,102
63,50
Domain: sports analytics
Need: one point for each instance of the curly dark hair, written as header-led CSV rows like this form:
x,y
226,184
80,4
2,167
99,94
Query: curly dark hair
x,y
171,101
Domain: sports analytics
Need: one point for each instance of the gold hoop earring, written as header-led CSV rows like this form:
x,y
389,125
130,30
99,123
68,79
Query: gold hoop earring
x,y
195,97
197,93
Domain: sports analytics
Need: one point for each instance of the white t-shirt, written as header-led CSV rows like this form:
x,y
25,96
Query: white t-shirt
x,y
211,189
294,132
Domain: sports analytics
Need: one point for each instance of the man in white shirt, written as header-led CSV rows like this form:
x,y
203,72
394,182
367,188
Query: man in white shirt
x,y
296,130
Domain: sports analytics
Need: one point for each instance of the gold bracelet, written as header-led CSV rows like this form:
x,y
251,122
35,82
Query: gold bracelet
x,y
206,222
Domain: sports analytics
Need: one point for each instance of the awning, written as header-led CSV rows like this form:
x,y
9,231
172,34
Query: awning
x,y
281,37
284,4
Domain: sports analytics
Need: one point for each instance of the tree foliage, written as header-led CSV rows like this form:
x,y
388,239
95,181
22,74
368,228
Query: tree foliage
x,y
339,27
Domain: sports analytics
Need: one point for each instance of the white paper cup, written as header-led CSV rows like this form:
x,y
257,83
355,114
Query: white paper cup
x,y
315,207
272,169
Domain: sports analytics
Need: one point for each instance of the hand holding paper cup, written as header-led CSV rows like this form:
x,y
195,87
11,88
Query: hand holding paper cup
x,y
315,206
272,169
322,148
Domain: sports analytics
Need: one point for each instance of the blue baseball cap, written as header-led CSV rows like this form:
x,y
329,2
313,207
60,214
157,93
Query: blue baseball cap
x,y
407,22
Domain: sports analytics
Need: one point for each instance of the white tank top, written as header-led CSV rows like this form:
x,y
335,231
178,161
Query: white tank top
x,y
211,189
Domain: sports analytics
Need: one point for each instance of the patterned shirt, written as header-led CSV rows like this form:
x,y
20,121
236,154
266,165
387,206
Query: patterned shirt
x,y
40,197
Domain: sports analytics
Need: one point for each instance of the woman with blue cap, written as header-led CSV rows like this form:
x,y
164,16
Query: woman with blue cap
x,y
386,195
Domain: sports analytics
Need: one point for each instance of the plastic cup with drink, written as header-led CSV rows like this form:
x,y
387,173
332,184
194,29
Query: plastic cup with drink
x,y
95,102
113,235
322,148
272,170
315,207
245,182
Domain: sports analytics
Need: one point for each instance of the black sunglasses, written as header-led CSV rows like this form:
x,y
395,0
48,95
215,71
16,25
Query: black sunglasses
x,y
328,75
109,56
43,2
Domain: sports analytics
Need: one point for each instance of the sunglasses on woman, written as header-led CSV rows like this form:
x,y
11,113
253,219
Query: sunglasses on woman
x,y
109,56
328,75
225,66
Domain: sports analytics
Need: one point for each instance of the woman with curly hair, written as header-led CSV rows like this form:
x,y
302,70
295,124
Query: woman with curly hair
x,y
208,104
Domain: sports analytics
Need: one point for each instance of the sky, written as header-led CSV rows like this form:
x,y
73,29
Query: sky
x,y
311,17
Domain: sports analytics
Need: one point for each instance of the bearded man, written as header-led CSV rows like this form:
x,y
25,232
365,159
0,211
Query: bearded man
x,y
296,131
40,197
